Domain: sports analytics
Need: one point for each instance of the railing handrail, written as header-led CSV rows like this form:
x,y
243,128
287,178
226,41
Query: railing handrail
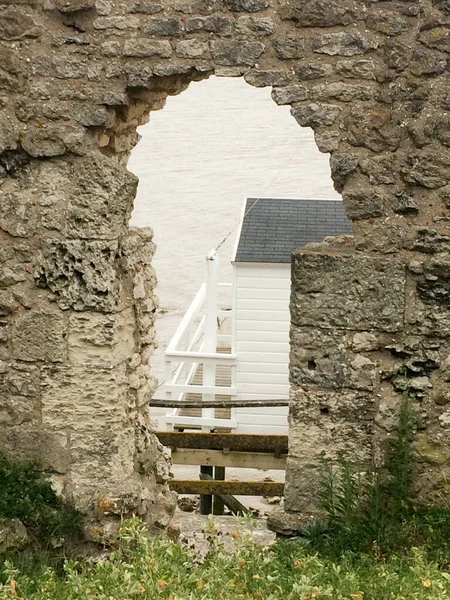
x,y
199,355
188,318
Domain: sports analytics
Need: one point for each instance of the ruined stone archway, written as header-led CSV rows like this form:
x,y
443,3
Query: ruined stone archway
x,y
76,297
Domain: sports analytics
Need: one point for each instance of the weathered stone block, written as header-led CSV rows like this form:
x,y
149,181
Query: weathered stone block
x,y
362,373
288,46
290,94
9,132
84,399
374,129
99,339
317,357
141,47
11,70
286,524
102,198
429,309
170,27
326,423
192,49
71,67
17,410
81,274
236,53
39,336
54,140
313,115
247,5
381,170
322,13
309,71
108,453
261,78
74,5
146,7
363,202
23,380
92,115
55,452
103,7
366,342
426,62
428,167
347,292
342,91
342,165
438,37
116,23
302,486
387,22
13,535
397,54
357,69
213,24
17,22
344,44
258,26
432,451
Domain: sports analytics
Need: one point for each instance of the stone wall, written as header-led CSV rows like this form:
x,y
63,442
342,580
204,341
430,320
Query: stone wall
x,y
76,285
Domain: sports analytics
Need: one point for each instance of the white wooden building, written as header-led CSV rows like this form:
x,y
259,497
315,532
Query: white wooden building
x,y
247,356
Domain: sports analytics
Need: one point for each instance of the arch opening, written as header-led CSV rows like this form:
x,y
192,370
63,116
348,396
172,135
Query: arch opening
x,y
219,143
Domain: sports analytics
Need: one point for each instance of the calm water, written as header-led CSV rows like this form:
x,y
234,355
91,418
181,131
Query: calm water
x,y
210,148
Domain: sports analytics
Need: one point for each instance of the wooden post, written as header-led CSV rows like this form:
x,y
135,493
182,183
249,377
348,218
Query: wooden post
x,y
236,507
219,505
206,502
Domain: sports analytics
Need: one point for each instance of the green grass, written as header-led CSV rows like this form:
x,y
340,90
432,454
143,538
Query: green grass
x,y
375,544
160,569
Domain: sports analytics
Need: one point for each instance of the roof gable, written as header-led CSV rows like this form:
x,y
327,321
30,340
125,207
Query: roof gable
x,y
275,227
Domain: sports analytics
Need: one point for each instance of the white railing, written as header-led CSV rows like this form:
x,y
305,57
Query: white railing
x,y
194,345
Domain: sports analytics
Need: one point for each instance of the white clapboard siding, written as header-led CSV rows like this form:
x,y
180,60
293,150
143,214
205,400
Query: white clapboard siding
x,y
266,326
256,336
261,338
252,366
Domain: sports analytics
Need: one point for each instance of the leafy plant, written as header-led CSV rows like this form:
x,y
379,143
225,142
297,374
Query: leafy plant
x,y
157,568
369,510
26,495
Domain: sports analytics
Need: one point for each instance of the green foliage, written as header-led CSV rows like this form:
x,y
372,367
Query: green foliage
x,y
27,496
156,568
369,511
375,546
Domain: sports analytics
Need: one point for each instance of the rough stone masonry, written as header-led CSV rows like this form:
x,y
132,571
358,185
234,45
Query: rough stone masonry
x,y
370,315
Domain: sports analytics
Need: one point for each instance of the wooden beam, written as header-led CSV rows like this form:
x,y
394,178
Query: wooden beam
x,y
217,403
236,507
246,442
234,488
183,422
218,458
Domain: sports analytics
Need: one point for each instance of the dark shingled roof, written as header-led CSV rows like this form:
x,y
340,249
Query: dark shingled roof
x,y
275,227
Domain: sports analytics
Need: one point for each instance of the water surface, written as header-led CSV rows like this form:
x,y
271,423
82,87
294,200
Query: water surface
x,y
199,158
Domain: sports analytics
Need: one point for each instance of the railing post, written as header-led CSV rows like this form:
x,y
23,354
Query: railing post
x,y
210,344
169,394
